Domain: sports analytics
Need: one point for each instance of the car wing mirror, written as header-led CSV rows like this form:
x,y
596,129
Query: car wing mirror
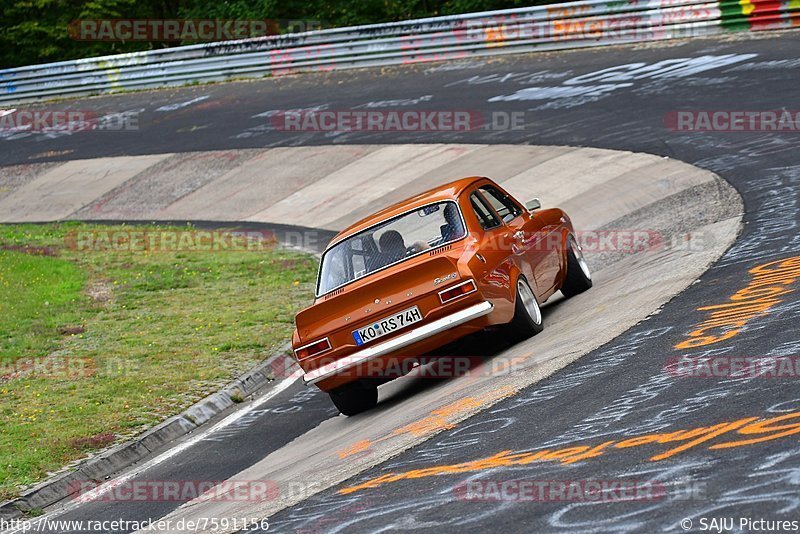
x,y
534,204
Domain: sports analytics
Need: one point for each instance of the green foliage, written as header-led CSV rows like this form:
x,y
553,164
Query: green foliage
x,y
35,31
229,9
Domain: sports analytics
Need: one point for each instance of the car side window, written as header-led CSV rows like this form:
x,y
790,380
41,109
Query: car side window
x,y
358,259
503,205
485,215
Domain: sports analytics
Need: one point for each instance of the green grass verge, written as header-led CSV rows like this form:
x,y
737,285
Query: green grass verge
x,y
98,346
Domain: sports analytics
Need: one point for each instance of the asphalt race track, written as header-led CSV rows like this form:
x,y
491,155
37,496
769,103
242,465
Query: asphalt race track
x,y
617,406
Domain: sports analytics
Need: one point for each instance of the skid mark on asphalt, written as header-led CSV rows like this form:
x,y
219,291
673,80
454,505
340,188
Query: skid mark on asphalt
x,y
597,85
774,218
180,105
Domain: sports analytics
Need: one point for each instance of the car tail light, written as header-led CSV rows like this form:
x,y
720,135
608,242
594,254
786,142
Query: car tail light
x,y
457,291
312,349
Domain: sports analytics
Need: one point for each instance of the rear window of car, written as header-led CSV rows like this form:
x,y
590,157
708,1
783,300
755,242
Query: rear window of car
x,y
390,242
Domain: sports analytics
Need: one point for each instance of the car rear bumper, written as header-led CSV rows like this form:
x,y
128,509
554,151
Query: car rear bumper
x,y
412,336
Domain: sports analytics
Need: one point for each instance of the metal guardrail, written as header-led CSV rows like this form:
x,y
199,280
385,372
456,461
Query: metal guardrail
x,y
552,27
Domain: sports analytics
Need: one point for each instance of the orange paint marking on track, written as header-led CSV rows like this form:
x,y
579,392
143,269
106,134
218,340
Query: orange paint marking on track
x,y
770,281
767,429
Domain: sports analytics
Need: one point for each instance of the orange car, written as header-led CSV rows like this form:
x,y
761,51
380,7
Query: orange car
x,y
425,272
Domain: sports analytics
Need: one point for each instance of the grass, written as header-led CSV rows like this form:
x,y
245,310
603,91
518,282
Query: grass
x,y
97,346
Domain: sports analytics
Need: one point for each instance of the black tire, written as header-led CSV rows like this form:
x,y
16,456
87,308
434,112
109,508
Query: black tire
x,y
578,278
354,398
527,320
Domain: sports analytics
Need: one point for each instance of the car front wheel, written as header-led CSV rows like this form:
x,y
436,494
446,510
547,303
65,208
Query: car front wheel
x,y
578,278
354,398
527,320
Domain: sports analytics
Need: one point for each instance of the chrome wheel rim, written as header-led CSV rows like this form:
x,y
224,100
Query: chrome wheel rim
x,y
529,301
579,256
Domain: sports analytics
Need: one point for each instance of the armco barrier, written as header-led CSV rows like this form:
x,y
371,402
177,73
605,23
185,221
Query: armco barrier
x,y
552,27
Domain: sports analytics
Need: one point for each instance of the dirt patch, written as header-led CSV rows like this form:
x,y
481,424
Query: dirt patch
x,y
71,329
93,442
100,291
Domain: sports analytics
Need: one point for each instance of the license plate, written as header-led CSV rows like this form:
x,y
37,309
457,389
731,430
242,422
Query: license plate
x,y
387,325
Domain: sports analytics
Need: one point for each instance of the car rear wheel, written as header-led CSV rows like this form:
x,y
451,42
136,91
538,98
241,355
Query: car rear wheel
x,y
527,320
578,278
354,398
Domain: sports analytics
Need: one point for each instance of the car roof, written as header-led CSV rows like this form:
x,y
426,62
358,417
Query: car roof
x,y
448,191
